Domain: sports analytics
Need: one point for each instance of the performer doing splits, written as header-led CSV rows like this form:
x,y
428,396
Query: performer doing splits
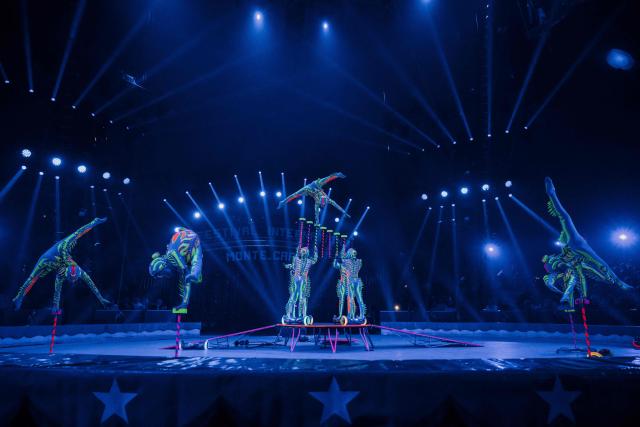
x,y
58,258
320,198
299,287
183,258
350,285
576,261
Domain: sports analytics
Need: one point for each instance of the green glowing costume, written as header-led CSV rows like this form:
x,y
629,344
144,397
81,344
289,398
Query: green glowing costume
x,y
299,286
350,286
315,191
569,270
58,258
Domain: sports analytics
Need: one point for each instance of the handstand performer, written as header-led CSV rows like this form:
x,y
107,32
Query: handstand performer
x,y
58,258
183,258
350,285
315,191
299,286
576,262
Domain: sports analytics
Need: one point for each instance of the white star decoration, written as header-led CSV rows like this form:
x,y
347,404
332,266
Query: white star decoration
x,y
334,401
114,402
559,401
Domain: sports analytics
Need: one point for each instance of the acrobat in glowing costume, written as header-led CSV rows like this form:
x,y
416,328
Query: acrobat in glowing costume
x,y
315,191
58,258
350,286
184,259
299,286
569,270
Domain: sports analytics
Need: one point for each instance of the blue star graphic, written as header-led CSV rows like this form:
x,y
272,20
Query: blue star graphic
x,y
114,402
334,401
559,401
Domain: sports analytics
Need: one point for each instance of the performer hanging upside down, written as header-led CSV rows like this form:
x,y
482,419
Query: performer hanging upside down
x,y
58,258
350,286
184,259
315,191
299,286
576,261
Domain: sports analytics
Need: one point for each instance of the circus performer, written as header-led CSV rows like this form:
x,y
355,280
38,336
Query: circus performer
x,y
350,286
315,191
183,259
568,271
299,286
58,258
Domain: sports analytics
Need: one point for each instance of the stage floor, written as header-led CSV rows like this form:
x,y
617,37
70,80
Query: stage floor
x,y
387,347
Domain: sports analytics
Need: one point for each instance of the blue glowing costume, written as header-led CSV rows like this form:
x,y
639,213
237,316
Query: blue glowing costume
x,y
183,258
569,270
350,286
299,286
315,191
58,258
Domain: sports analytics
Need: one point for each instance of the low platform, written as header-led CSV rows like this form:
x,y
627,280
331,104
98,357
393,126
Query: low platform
x,y
257,380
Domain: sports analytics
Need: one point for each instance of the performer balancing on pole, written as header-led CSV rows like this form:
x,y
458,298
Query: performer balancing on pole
x,y
569,270
183,259
315,191
299,286
58,258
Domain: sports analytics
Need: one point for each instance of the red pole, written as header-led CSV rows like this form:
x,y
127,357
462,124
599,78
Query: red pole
x,y
178,319
53,332
586,329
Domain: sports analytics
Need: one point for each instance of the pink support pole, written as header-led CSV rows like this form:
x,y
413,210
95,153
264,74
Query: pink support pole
x,y
178,320
53,333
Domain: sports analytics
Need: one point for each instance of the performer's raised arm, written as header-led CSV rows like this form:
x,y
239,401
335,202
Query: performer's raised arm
x,y
195,274
337,206
301,192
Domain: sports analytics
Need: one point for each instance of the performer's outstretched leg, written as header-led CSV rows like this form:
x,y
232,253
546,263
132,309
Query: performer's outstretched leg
x,y
42,268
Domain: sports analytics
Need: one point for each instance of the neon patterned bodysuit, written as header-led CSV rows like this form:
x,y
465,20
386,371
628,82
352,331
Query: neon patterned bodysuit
x,y
315,191
350,285
58,258
569,270
184,258
299,285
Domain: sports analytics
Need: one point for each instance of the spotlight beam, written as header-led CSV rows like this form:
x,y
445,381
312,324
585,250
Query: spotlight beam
x,y
434,251
285,209
24,241
489,30
67,50
516,246
112,213
535,216
458,296
3,73
183,221
363,122
525,84
154,70
364,89
449,75
357,227
343,215
9,185
58,215
117,51
94,213
415,293
26,42
583,54
184,87
278,291
136,226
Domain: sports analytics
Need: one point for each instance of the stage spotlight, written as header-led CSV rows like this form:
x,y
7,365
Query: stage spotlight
x,y
74,107
30,90
510,195
92,114
126,181
506,131
355,233
491,250
93,186
56,161
106,175
325,26
508,184
464,190
488,135
240,199
40,173
424,196
23,167
278,193
262,194
485,187
26,153
197,214
620,60
57,177
336,219
53,99
7,82
484,200
176,229
82,168
470,138
396,307
496,198
299,201
220,205
623,237
444,193
558,243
